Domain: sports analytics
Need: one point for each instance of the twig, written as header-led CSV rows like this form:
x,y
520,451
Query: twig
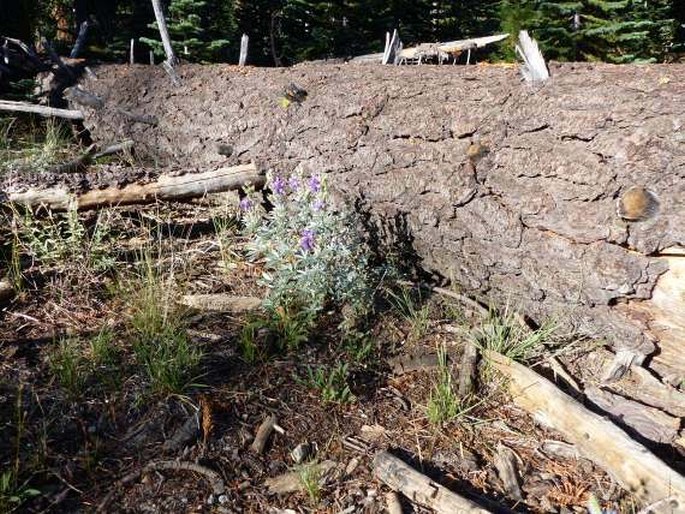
x,y
473,304
263,433
215,480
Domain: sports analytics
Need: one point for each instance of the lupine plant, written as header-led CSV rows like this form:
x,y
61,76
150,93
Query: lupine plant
x,y
314,255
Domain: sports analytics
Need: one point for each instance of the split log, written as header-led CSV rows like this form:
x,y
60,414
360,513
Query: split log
x,y
10,105
419,488
597,439
166,187
529,219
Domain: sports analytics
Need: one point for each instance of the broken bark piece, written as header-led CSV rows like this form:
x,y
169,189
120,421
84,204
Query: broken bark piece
x,y
650,423
9,105
505,464
186,433
166,187
468,368
419,488
222,303
597,439
646,388
292,481
263,433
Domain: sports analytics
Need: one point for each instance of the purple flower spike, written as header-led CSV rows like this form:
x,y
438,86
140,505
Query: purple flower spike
x,y
314,184
246,204
307,240
278,185
294,184
318,205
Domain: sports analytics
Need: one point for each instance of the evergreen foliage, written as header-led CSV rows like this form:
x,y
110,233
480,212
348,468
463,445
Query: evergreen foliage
x,y
283,32
200,30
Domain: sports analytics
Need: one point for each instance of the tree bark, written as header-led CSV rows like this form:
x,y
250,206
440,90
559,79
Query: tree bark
x,y
509,191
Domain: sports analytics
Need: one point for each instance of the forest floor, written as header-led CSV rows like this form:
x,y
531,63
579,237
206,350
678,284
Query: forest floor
x,y
105,381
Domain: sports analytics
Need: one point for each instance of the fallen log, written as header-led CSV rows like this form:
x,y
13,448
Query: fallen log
x,y
433,49
12,106
166,187
531,219
419,488
597,439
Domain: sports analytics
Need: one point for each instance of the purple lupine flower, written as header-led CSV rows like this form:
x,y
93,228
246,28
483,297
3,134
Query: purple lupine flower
x,y
314,184
245,204
318,205
294,183
307,240
278,185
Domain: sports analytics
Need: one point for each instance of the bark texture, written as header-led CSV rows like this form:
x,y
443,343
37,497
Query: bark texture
x,y
506,189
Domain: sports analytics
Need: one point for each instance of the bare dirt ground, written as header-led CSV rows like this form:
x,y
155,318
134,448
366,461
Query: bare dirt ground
x,y
74,445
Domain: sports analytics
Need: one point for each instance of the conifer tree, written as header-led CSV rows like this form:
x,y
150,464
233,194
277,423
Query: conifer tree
x,y
200,30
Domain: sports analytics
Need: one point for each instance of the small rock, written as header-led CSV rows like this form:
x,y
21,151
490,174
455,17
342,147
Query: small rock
x,y
303,451
210,499
223,499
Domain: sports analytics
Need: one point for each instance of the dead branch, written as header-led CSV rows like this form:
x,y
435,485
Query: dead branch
x,y
191,185
596,438
420,489
263,433
10,105
215,480
221,303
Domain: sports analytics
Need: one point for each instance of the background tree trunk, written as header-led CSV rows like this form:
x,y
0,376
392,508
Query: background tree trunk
x,y
507,190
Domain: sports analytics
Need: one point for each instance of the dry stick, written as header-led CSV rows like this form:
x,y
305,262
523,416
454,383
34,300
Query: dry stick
x,y
263,433
221,303
244,41
191,185
9,105
597,439
215,480
164,32
131,57
419,488
80,40
474,305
